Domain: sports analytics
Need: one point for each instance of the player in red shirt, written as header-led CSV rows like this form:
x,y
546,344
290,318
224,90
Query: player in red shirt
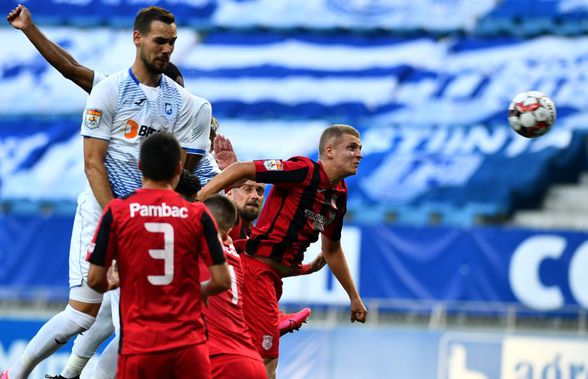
x,y
232,353
308,198
157,238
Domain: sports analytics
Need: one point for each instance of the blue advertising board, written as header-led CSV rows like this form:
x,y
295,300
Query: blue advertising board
x,y
540,270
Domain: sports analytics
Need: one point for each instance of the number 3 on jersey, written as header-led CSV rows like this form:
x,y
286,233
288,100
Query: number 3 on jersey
x,y
167,253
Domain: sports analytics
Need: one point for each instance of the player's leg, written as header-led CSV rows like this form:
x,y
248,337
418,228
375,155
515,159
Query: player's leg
x,y
84,302
86,344
106,366
262,289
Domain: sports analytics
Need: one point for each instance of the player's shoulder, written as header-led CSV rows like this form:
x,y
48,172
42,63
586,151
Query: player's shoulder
x,y
199,101
104,83
302,160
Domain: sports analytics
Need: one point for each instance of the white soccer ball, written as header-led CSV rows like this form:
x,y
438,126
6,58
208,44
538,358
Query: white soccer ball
x,y
531,114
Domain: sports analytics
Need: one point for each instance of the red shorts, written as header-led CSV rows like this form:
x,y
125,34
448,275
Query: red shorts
x,y
262,288
231,366
186,362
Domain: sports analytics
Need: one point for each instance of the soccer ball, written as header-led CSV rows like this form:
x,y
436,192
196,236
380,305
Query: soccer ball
x,y
531,114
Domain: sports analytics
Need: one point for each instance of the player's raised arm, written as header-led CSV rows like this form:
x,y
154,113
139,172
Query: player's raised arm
x,y
337,262
20,18
232,174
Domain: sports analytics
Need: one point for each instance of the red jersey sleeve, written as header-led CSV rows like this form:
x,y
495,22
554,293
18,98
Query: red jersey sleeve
x,y
211,251
277,171
103,250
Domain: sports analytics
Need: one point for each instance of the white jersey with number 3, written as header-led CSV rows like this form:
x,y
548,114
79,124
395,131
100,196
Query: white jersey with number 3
x,y
123,111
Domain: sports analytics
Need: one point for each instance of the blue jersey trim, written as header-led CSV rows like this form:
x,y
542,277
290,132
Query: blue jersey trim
x,y
137,80
195,151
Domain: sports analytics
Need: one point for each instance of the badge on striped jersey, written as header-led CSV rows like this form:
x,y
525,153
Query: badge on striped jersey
x,y
92,118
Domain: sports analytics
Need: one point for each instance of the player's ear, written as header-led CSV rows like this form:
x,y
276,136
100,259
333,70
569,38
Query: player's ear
x,y
178,168
137,38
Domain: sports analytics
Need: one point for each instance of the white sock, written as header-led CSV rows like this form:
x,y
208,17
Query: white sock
x,y
106,367
75,365
54,334
86,344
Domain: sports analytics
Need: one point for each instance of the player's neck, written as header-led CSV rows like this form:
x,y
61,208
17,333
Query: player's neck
x,y
144,76
153,184
332,173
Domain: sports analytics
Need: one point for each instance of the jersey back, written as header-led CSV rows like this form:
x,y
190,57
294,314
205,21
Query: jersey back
x,y
157,239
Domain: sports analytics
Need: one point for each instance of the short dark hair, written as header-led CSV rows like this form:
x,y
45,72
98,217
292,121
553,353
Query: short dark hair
x,y
336,130
159,156
172,71
188,186
223,210
147,15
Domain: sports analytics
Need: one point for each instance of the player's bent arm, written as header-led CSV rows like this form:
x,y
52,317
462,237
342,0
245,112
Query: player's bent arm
x,y
337,262
316,265
220,280
55,54
94,155
97,278
232,174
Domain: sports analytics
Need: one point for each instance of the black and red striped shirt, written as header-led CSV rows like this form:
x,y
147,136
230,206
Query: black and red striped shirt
x,y
301,204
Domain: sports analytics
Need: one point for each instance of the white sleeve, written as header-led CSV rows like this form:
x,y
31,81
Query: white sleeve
x,y
98,77
99,112
193,130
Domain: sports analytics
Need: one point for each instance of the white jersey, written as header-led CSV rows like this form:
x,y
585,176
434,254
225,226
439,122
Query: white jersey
x,y
123,111
207,168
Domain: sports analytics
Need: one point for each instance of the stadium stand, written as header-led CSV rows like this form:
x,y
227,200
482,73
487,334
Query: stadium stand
x,y
447,196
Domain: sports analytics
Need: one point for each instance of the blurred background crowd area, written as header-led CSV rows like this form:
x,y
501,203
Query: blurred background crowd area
x,y
453,218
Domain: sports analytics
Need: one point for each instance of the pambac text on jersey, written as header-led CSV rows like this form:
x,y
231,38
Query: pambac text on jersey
x,y
162,210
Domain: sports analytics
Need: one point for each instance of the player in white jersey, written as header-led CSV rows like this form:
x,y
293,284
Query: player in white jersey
x,y
121,110
85,345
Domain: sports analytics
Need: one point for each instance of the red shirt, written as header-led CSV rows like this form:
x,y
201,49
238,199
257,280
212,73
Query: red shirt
x,y
240,231
301,204
157,239
225,321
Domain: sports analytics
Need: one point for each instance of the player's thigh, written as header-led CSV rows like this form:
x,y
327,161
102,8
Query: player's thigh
x,y
260,305
86,220
237,367
191,362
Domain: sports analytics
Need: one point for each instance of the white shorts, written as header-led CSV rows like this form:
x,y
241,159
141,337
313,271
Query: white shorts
x,y
86,220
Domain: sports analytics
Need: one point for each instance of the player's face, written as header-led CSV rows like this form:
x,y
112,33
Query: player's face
x,y
156,47
347,154
248,199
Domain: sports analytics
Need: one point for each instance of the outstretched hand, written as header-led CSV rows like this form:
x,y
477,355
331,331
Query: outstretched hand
x,y
20,17
223,151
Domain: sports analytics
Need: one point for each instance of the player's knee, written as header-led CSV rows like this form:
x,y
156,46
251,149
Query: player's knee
x,y
82,314
87,308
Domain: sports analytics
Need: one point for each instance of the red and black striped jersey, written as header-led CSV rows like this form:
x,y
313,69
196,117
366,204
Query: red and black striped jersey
x,y
301,204
157,238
